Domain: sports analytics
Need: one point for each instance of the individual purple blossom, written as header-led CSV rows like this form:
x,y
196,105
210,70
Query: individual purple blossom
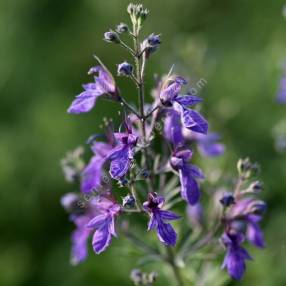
x,y
122,154
170,97
189,174
104,84
103,223
92,174
158,218
247,212
80,215
236,255
241,223
97,213
281,96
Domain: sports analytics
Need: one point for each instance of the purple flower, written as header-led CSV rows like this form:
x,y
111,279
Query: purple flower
x,y
158,218
247,213
188,174
92,174
96,213
241,223
80,215
103,223
281,96
170,97
104,84
208,144
235,257
122,154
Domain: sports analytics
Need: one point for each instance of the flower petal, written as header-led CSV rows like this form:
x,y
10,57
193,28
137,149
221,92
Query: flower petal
x,y
189,187
82,103
166,233
168,215
187,100
101,239
91,175
120,162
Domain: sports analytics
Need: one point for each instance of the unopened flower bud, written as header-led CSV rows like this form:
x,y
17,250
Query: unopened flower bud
x,y
151,44
122,28
255,187
111,37
125,69
123,182
145,173
154,40
72,165
137,13
152,277
136,276
128,201
246,169
227,199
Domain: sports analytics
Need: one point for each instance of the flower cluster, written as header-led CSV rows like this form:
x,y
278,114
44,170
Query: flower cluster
x,y
241,220
126,154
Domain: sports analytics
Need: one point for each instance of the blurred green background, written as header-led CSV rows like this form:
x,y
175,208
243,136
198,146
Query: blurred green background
x,y
46,48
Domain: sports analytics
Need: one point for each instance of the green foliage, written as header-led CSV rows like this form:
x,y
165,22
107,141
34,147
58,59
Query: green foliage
x,y
45,48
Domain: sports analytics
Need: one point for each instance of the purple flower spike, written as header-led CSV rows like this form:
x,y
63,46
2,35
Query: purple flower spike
x,y
104,84
170,97
235,257
104,223
281,97
241,223
188,175
165,231
122,154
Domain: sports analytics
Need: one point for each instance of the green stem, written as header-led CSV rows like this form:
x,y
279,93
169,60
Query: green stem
x,y
137,200
175,268
140,79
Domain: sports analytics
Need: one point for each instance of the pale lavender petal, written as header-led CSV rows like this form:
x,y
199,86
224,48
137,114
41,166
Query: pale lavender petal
x,y
99,221
82,103
104,81
101,239
187,100
91,176
120,162
255,235
194,121
79,245
211,149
